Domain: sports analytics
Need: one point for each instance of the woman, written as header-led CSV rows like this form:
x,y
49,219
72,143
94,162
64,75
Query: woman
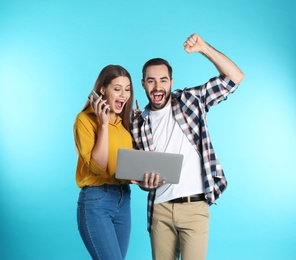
x,y
103,214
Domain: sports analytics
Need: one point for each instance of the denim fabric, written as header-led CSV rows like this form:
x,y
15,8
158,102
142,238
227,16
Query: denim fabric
x,y
104,220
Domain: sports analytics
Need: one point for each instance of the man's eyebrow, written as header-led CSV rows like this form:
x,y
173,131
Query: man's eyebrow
x,y
165,77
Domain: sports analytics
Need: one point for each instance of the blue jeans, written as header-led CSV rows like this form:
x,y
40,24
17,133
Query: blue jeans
x,y
104,220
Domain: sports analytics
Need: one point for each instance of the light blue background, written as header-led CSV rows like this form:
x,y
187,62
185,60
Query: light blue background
x,y
50,55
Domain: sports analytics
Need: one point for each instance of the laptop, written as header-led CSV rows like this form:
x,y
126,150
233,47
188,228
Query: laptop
x,y
133,164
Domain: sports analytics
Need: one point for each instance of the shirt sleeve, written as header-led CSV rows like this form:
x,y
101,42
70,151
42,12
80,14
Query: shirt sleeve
x,y
214,91
84,134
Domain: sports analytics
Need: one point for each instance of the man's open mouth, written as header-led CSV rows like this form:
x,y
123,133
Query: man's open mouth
x,y
158,97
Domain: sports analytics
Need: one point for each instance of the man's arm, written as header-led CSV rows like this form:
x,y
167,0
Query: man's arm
x,y
225,66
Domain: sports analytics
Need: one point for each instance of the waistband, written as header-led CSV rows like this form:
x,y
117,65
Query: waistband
x,y
107,187
193,198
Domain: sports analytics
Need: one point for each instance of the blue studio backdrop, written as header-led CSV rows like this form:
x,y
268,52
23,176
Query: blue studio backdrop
x,y
50,55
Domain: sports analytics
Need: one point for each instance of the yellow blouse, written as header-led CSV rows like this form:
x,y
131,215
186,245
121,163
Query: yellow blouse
x,y
88,172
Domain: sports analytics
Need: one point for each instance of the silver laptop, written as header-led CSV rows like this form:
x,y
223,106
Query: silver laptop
x,y
133,164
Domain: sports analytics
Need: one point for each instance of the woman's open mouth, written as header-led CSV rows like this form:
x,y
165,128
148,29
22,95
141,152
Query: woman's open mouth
x,y
119,104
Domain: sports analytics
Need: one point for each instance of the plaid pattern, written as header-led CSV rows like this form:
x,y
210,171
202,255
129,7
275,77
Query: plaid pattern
x,y
190,107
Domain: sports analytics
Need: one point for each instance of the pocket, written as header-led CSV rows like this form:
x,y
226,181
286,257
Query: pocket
x,y
94,193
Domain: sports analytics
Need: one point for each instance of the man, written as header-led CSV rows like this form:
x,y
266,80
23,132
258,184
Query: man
x,y
175,122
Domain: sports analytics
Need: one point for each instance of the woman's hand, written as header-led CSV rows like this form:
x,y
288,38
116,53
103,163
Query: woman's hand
x,y
100,108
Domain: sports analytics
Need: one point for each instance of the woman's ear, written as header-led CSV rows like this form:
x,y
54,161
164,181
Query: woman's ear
x,y
102,91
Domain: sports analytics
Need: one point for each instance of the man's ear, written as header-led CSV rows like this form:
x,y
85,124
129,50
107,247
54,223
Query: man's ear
x,y
142,81
172,82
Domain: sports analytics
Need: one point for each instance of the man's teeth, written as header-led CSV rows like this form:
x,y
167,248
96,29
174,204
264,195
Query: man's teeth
x,y
158,97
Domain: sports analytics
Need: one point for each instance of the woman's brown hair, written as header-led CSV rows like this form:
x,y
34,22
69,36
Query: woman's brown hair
x,y
105,77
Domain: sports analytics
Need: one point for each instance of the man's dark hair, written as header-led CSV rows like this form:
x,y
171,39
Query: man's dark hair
x,y
156,61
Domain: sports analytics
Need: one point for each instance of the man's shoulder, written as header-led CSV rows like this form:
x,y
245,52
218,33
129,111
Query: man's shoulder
x,y
177,93
137,122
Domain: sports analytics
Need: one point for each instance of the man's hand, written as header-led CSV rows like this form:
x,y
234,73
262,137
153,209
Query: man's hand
x,y
225,66
136,112
194,43
150,182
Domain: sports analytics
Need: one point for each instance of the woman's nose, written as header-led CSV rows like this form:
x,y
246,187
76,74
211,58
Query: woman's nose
x,y
122,93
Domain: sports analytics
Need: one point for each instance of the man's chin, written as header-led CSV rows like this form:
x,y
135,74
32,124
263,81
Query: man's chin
x,y
157,106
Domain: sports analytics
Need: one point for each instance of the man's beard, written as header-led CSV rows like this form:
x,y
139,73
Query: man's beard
x,y
154,106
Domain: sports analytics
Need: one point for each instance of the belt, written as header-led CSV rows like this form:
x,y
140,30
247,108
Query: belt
x,y
193,198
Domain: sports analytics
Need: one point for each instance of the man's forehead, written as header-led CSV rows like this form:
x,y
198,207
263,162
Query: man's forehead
x,y
157,71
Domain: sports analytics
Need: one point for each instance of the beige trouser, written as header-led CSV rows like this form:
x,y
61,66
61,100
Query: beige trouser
x,y
180,229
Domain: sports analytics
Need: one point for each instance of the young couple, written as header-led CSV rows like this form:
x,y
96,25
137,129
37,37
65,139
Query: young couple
x,y
173,122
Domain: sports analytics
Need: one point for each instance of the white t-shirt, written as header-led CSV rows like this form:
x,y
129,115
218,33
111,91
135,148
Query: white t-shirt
x,y
169,137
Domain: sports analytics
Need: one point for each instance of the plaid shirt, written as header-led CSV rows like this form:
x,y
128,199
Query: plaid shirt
x,y
189,107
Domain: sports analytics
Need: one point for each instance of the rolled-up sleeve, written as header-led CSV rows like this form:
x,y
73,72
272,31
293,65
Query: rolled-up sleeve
x,y
84,133
216,90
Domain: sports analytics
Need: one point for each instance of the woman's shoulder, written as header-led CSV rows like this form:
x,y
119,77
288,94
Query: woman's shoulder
x,y
86,117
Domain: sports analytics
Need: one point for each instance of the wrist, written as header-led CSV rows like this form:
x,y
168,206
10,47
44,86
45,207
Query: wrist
x,y
103,127
206,49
